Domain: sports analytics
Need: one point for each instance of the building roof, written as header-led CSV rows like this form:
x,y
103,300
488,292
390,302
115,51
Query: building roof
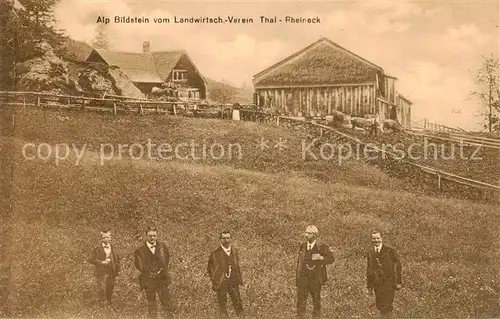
x,y
76,50
165,61
322,62
150,67
401,96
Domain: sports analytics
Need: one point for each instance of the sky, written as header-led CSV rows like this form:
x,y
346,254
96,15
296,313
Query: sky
x,y
434,48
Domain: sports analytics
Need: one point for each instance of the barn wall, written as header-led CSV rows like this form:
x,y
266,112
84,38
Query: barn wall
x,y
390,90
194,79
356,100
95,57
404,113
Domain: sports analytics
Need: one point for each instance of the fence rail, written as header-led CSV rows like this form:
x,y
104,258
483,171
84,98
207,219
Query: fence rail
x,y
425,124
439,174
116,104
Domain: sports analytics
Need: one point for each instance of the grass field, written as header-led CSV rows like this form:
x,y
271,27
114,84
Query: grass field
x,y
52,214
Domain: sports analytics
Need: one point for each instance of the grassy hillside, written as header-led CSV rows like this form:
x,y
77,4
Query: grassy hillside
x,y
450,248
93,130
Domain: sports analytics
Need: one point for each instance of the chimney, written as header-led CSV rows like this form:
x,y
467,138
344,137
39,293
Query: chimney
x,y
145,46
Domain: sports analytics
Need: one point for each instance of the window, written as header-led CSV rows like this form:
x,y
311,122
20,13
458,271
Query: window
x,y
179,75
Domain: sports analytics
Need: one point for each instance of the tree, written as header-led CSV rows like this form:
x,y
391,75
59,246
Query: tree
x,y
488,93
222,93
25,24
101,40
38,22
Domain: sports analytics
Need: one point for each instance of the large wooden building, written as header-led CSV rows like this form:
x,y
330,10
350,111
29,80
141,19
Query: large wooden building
x,y
324,77
151,69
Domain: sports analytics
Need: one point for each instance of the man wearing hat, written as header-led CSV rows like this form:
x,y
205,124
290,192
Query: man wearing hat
x,y
311,271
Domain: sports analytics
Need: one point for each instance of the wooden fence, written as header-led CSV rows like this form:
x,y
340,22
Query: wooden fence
x,y
117,105
489,191
424,124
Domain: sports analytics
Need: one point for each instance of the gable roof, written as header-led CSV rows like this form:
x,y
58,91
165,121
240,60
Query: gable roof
x,y
150,67
165,61
139,67
401,96
322,62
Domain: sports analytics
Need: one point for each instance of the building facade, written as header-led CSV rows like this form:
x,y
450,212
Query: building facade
x,y
325,77
152,69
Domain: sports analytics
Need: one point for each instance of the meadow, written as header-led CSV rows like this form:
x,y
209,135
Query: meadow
x,y
52,214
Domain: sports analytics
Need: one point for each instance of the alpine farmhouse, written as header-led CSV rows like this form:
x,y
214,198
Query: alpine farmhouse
x,y
150,69
324,77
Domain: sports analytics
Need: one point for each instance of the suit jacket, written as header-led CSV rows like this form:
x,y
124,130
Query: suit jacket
x,y
217,264
383,269
142,261
320,248
98,254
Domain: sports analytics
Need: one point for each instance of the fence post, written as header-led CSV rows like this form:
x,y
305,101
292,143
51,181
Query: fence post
x,y
439,180
24,101
278,121
38,100
83,103
114,107
175,109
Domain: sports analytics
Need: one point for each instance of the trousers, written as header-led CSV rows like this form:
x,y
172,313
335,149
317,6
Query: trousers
x,y
233,290
309,285
384,297
163,294
105,286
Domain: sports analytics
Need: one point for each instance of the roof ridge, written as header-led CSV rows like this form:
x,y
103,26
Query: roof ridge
x,y
144,53
322,39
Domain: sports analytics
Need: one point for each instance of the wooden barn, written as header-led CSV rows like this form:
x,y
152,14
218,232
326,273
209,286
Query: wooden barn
x,y
323,77
149,69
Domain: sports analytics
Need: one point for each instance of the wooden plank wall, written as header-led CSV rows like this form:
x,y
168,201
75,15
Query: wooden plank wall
x,y
355,100
390,89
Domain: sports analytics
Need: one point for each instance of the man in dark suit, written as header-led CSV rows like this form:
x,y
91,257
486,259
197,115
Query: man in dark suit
x,y
152,260
224,272
311,271
106,260
383,274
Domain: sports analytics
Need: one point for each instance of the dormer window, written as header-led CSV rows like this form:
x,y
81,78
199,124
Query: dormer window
x,y
179,75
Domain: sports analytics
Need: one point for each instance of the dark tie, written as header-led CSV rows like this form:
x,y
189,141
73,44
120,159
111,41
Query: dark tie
x,y
106,247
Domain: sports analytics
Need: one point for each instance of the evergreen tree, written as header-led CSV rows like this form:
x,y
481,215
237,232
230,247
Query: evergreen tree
x,y
24,24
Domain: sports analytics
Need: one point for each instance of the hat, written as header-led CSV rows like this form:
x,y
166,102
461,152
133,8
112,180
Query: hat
x,y
312,229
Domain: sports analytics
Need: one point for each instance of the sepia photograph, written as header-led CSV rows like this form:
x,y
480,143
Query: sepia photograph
x,y
249,159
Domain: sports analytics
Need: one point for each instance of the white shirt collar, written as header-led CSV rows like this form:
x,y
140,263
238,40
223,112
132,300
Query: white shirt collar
x,y
151,245
378,248
104,245
226,250
310,245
